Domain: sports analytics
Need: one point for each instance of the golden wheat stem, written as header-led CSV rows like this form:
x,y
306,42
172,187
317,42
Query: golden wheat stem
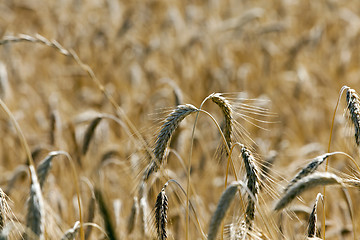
x,y
327,160
187,220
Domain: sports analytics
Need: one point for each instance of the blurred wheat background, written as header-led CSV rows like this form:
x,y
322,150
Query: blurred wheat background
x,y
287,60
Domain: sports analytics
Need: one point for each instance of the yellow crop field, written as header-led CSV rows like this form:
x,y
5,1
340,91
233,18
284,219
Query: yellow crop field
x,y
176,119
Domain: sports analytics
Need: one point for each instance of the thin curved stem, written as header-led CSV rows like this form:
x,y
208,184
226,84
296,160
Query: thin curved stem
x,y
327,160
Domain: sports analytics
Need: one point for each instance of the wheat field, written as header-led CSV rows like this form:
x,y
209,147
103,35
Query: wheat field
x,y
178,119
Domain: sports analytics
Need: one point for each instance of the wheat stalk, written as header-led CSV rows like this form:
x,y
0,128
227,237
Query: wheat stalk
x,y
306,183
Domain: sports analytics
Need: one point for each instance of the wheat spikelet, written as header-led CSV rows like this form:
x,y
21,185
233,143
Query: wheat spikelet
x,y
161,207
72,232
224,105
306,183
171,123
89,133
35,219
353,105
310,168
313,218
252,184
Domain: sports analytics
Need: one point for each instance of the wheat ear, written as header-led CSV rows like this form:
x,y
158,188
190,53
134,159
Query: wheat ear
x,y
252,184
35,219
308,169
353,104
223,206
224,105
89,134
161,207
306,183
4,209
162,140
106,215
313,218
